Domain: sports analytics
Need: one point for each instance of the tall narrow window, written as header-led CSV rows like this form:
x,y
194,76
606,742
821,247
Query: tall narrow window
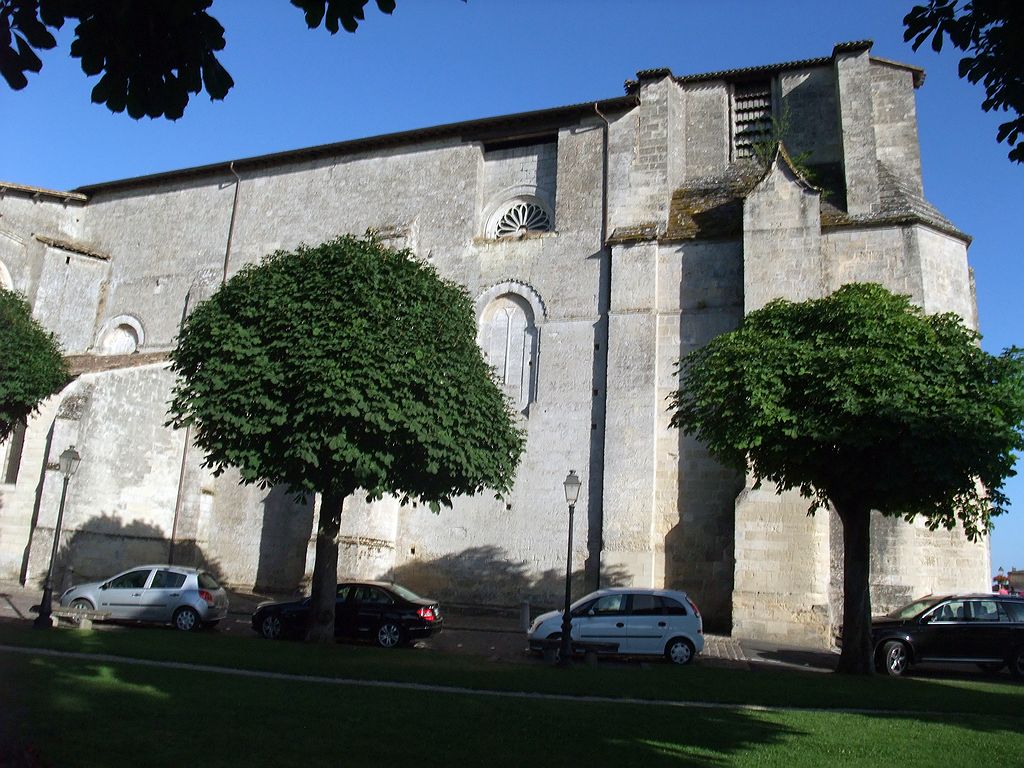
x,y
509,341
751,116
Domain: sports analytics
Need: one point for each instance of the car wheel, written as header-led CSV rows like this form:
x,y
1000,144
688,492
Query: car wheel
x,y
1017,663
896,658
186,619
82,605
991,667
270,627
679,650
389,635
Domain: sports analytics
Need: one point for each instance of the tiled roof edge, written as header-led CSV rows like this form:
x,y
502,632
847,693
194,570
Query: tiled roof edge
x,y
24,189
371,142
846,47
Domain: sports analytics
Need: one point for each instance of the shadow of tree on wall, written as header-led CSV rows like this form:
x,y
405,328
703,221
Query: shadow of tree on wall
x,y
105,545
487,576
287,527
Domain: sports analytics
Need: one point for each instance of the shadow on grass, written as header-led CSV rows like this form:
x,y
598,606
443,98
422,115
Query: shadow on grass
x,y
271,722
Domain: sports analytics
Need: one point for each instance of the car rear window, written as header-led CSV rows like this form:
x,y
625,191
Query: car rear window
x,y
1015,610
673,607
206,581
405,594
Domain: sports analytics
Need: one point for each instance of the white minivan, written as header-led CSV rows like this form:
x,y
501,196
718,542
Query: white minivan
x,y
628,621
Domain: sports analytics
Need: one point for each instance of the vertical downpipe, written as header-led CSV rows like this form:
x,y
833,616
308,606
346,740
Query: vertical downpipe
x,y
180,498
595,522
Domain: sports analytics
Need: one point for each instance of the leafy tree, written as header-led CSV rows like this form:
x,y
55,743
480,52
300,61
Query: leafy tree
x,y
342,367
991,31
151,55
31,365
861,401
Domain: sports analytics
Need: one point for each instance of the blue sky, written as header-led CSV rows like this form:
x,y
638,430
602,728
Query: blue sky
x,y
441,61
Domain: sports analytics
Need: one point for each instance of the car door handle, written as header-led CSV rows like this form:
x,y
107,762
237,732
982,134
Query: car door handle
x,y
620,625
137,594
662,624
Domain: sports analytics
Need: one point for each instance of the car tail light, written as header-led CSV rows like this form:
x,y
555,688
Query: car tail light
x,y
693,605
427,614
204,595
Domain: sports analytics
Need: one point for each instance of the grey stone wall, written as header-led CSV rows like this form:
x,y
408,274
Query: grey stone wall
x,y
708,134
607,324
857,128
809,104
895,118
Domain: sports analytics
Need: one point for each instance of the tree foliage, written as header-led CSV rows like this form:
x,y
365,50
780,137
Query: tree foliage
x,y
861,401
31,365
150,56
341,367
991,32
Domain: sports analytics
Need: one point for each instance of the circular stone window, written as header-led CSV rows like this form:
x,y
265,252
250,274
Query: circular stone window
x,y
520,217
122,340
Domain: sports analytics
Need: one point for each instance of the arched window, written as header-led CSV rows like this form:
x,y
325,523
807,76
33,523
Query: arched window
x,y
121,336
520,216
509,338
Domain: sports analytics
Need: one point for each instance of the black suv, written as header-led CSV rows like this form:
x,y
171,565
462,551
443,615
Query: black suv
x,y
984,629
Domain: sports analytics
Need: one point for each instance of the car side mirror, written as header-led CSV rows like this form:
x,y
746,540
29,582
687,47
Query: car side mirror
x,y
590,612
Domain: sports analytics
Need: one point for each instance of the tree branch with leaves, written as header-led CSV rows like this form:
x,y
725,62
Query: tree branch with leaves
x,y
150,55
340,368
861,402
31,364
991,32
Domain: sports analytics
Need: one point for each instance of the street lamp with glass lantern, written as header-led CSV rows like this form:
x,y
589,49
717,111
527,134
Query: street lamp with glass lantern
x,y
69,461
572,493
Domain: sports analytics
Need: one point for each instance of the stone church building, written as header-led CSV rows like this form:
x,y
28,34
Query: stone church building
x,y
601,242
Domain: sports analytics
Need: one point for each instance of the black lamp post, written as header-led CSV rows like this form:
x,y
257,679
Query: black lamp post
x,y
572,493
69,461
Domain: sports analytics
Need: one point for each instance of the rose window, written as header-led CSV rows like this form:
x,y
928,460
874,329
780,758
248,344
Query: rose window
x,y
522,217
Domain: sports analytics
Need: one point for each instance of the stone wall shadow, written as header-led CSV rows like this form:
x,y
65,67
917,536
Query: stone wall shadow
x,y
487,576
700,546
287,526
105,545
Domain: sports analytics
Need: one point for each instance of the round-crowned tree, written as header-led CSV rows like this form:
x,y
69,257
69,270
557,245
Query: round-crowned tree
x,y
863,403
31,364
342,367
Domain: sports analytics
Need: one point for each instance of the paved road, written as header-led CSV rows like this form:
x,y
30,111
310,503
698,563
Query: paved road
x,y
494,636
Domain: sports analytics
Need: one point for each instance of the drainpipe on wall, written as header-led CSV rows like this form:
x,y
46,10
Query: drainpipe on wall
x,y
595,529
179,500
231,225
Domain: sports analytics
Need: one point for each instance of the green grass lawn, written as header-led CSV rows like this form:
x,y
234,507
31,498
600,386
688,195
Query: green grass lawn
x,y
88,712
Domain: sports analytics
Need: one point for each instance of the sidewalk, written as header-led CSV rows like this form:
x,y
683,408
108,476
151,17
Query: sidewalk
x,y
497,636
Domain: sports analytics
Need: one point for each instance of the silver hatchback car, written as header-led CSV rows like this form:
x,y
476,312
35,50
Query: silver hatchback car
x,y
630,621
186,597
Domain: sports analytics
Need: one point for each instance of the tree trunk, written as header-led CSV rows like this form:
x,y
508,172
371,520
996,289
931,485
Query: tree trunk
x,y
856,656
325,570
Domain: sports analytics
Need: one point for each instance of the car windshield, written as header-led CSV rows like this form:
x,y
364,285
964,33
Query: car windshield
x,y
913,609
405,594
582,601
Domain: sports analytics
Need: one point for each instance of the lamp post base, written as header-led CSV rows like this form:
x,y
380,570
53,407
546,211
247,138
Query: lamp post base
x,y
43,620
